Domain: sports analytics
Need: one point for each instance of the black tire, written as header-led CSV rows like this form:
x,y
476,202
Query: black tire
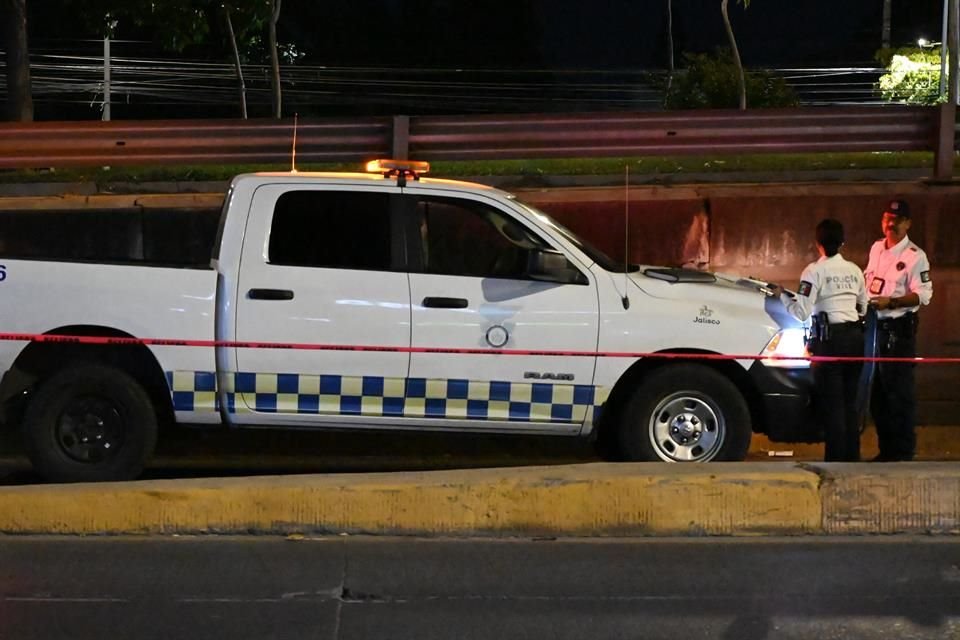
x,y
685,413
88,423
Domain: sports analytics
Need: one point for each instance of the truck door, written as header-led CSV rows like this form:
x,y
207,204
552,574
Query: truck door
x,y
322,264
471,289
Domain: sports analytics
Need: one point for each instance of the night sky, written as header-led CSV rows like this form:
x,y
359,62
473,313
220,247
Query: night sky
x,y
598,34
556,34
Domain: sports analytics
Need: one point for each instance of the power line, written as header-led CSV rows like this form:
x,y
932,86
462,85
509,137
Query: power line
x,y
65,77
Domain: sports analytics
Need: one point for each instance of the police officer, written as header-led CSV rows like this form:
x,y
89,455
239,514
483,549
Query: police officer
x,y
898,282
832,290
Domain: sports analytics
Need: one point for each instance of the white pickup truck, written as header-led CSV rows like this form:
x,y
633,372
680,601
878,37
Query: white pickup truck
x,y
386,301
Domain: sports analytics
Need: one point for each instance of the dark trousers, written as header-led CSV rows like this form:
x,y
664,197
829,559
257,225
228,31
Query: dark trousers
x,y
835,386
893,401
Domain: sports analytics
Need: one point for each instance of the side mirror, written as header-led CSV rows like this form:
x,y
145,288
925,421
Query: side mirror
x,y
547,265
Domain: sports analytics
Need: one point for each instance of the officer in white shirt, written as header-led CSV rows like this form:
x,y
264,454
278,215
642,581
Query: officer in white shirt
x,y
832,291
898,282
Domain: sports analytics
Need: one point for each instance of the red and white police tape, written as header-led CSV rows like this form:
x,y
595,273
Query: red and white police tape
x,y
236,344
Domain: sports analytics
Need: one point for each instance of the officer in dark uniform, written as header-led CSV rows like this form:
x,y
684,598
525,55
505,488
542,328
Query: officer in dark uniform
x,y
898,283
832,291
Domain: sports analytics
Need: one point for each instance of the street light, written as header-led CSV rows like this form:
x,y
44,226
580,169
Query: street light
x,y
923,43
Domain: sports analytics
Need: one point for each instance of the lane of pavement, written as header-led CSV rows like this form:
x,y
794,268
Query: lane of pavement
x,y
357,587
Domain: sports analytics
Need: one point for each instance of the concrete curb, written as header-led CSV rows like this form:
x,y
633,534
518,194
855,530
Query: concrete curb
x,y
581,500
896,498
644,499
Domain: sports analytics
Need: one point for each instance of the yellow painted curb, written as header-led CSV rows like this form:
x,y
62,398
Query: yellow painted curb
x,y
902,497
583,500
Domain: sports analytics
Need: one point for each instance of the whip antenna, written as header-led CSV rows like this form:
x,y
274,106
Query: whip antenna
x,y
626,236
293,150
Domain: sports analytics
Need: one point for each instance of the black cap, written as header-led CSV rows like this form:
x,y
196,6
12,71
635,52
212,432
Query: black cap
x,y
898,208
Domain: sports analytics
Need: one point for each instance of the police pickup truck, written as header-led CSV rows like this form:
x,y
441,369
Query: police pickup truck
x,y
387,301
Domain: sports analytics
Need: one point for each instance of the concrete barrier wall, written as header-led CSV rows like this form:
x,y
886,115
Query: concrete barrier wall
x,y
766,231
762,230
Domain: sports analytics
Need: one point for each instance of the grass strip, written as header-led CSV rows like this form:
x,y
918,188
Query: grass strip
x,y
647,165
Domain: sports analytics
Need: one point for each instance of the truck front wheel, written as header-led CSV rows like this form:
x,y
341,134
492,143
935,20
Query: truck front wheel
x,y
685,413
89,422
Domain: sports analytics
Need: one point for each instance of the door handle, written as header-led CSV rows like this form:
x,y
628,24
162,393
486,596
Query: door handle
x,y
445,303
270,294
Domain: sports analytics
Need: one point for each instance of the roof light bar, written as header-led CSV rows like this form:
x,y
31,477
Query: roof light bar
x,y
391,166
400,169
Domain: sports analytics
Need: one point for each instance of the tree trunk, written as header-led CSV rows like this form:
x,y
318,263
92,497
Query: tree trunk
x,y
236,62
885,35
670,66
19,97
736,55
275,59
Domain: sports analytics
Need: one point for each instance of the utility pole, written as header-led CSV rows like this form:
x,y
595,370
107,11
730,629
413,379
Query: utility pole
x,y
947,127
105,115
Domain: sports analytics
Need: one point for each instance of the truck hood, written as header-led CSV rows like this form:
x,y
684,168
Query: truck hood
x,y
705,287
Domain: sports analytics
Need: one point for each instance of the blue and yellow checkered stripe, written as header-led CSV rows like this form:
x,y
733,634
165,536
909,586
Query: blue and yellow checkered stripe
x,y
389,397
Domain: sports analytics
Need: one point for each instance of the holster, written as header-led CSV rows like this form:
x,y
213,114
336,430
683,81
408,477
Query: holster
x,y
820,327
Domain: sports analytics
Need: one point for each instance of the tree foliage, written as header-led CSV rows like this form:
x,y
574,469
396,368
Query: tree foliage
x,y
913,76
178,25
709,81
173,24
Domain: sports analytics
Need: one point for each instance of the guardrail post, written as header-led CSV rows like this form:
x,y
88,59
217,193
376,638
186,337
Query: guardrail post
x,y
946,135
400,148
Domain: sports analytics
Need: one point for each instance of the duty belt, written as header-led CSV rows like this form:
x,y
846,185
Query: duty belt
x,y
892,330
821,328
895,325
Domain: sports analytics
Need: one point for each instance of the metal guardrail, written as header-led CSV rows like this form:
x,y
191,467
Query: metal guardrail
x,y
674,133
56,144
95,143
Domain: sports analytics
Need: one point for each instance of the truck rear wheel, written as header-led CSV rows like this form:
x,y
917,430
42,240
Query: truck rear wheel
x,y
685,413
89,422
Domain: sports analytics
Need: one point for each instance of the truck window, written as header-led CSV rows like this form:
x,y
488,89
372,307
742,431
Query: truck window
x,y
332,229
468,238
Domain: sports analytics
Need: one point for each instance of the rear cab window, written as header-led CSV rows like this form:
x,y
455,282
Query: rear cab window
x,y
333,229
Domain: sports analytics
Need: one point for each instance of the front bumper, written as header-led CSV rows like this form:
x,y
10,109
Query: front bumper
x,y
786,412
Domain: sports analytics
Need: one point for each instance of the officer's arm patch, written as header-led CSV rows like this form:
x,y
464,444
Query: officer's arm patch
x,y
924,276
805,288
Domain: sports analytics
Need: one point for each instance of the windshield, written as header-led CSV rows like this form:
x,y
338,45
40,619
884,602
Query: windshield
x,y
598,256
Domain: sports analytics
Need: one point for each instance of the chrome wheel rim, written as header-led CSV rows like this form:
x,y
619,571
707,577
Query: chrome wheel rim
x,y
686,427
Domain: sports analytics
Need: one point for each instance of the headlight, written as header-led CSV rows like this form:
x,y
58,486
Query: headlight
x,y
787,349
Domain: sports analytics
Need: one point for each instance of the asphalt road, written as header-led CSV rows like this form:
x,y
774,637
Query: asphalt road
x,y
344,587
185,453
